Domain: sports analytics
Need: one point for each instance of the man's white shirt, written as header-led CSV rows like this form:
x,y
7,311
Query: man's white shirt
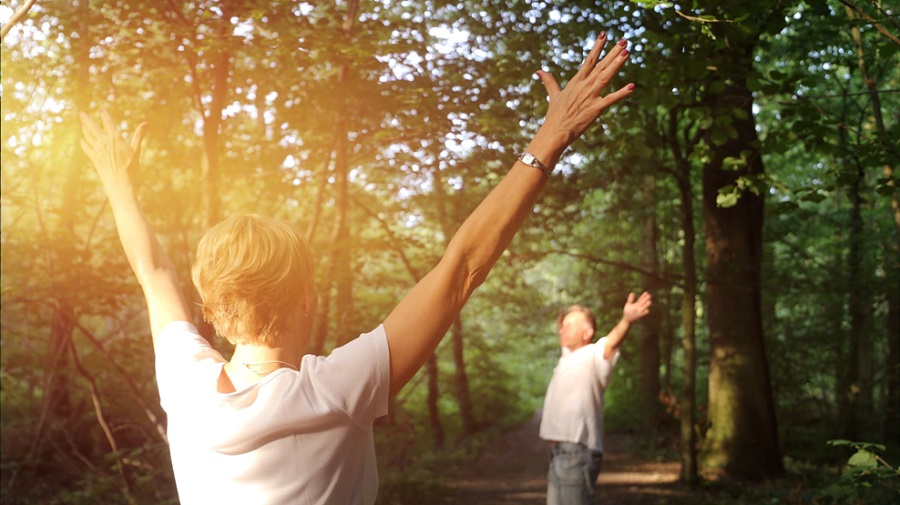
x,y
573,406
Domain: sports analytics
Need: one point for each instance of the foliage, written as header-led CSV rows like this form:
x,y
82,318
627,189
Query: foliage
x,y
868,478
403,98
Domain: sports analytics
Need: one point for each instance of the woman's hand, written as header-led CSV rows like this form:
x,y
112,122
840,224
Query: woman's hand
x,y
574,108
112,157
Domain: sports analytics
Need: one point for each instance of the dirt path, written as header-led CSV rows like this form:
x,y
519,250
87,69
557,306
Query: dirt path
x,y
515,472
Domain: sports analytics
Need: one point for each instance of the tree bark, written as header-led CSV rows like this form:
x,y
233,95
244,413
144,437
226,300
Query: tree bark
x,y
340,259
892,402
460,378
17,16
650,356
56,403
742,441
859,408
434,394
688,399
891,405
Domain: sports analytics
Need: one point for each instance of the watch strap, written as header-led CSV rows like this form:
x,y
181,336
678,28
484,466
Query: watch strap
x,y
530,160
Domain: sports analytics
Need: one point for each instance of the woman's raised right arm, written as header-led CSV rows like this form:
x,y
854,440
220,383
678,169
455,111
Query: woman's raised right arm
x,y
416,326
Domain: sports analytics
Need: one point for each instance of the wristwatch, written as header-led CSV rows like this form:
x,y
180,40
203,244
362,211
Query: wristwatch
x,y
531,161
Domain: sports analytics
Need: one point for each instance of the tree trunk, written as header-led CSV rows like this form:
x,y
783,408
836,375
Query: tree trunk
x,y
650,358
892,402
461,380
859,363
892,258
56,404
460,377
340,258
434,413
320,331
212,122
210,177
688,400
688,403
742,441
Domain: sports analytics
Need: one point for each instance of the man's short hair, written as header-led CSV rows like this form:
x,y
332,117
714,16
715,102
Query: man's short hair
x,y
253,274
588,315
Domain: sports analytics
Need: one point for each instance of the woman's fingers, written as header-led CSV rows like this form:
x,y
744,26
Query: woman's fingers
x,y
108,124
549,83
106,148
591,60
89,129
86,148
615,96
609,66
136,140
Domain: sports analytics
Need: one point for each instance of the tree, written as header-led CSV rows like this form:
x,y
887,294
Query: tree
x,y
742,440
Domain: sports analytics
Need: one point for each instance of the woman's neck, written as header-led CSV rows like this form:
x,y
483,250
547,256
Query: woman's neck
x,y
262,360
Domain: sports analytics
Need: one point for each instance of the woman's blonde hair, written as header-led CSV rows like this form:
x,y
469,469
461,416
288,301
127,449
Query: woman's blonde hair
x,y
253,274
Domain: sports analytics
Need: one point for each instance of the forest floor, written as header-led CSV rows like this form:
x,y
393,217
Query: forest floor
x,y
514,471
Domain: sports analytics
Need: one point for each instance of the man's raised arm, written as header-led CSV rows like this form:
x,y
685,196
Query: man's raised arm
x,y
633,310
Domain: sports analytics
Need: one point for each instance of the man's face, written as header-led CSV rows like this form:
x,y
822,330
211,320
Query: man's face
x,y
575,331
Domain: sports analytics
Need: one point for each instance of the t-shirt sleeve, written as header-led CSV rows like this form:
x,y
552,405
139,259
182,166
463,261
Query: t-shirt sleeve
x,y
358,376
181,353
604,366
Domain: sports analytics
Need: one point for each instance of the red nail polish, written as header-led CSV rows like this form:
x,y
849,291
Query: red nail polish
x,y
630,87
624,53
602,35
623,42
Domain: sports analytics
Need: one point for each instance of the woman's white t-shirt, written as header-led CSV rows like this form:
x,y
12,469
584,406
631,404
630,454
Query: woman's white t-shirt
x,y
295,437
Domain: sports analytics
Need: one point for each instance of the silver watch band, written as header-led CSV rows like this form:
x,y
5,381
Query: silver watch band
x,y
530,160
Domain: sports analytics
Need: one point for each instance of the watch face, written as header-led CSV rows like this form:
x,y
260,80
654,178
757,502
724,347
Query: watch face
x,y
530,160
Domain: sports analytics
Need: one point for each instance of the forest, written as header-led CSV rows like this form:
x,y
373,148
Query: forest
x,y
747,184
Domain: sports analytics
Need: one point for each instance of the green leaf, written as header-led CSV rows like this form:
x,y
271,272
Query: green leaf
x,y
727,197
781,208
884,187
863,459
770,88
719,136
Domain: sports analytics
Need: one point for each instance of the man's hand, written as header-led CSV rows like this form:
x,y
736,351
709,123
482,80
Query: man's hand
x,y
635,310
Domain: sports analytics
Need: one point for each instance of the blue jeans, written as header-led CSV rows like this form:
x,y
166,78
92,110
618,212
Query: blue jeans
x,y
573,470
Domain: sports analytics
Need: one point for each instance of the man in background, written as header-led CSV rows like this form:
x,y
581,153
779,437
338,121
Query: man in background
x,y
572,422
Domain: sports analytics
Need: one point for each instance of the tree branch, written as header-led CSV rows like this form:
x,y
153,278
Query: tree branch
x,y
160,429
101,419
16,17
413,272
862,14
594,259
